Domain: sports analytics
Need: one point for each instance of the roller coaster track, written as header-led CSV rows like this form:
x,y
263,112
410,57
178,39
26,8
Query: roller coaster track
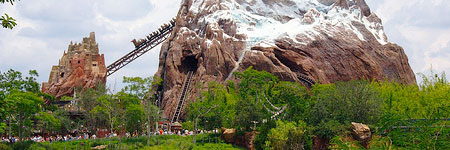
x,y
142,47
180,103
306,80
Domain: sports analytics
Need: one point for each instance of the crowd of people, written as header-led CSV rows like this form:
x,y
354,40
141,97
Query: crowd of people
x,y
59,138
68,137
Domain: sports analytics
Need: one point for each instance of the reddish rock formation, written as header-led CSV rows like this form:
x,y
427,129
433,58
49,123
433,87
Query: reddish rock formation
x,y
325,40
82,66
247,140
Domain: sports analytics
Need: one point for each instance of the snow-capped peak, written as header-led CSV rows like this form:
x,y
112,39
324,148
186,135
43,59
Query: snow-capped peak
x,y
302,20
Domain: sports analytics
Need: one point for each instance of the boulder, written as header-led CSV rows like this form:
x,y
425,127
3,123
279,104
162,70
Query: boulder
x,y
361,132
100,147
228,135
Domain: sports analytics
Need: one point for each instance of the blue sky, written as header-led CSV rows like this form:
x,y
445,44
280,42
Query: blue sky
x,y
46,27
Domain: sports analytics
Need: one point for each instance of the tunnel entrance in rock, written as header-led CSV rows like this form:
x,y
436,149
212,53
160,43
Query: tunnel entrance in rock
x,y
189,63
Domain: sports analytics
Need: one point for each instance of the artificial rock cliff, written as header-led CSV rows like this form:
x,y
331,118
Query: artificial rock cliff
x,y
82,66
324,40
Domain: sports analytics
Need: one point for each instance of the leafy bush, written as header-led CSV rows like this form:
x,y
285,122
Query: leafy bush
x,y
329,129
336,105
345,102
37,146
287,135
4,147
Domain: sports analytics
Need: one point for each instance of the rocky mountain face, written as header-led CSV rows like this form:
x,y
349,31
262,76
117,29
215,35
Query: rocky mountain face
x,y
82,66
321,40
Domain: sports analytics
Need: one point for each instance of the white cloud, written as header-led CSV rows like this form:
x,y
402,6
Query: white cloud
x,y
421,27
46,27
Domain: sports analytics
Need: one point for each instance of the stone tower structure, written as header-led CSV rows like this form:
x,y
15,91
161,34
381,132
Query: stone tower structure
x,y
82,66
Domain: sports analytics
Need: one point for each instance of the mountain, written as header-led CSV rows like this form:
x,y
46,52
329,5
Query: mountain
x,y
305,41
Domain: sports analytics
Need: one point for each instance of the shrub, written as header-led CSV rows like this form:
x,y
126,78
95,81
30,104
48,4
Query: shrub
x,y
4,147
345,102
287,135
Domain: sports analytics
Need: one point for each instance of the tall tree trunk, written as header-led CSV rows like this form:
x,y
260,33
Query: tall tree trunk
x,y
9,126
110,128
195,129
148,128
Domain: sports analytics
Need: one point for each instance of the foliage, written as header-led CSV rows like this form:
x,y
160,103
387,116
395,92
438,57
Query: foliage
x,y
13,81
345,102
254,85
340,143
287,135
67,124
25,105
138,86
295,96
328,129
336,105
20,101
156,142
222,115
188,125
153,114
264,130
47,122
108,108
87,101
4,147
135,118
7,21
400,116
416,117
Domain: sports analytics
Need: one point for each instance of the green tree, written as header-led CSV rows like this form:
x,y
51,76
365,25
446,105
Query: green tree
x,y
287,135
345,102
7,21
140,87
15,92
25,105
215,95
254,97
67,124
143,88
295,96
341,103
135,118
153,115
86,101
13,80
107,106
47,122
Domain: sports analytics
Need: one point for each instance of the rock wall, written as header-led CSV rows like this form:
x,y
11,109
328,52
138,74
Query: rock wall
x,y
325,40
82,66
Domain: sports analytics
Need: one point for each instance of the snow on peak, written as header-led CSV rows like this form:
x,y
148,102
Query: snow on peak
x,y
301,20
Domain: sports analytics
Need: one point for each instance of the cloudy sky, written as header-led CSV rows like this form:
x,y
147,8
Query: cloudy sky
x,y
46,27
